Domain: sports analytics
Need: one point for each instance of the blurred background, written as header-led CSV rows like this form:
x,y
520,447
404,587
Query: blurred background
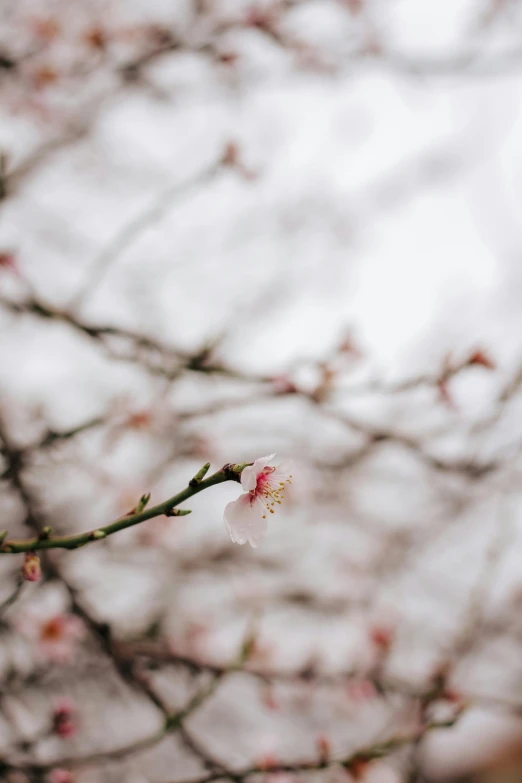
x,y
235,228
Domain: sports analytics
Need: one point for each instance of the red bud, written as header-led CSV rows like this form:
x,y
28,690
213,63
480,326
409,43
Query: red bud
x,y
381,637
482,359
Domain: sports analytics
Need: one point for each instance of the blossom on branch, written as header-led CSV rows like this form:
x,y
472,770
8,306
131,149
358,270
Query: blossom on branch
x,y
58,637
246,518
55,636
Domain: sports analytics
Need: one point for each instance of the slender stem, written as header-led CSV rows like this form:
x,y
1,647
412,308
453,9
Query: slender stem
x,y
9,601
227,473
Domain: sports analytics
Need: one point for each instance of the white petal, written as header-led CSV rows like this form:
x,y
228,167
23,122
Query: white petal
x,y
244,520
250,473
284,470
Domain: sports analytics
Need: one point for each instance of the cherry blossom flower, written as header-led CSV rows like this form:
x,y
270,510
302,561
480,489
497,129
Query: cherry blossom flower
x,y
54,636
246,518
58,636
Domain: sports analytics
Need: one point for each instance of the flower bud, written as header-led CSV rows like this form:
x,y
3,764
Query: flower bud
x,y
323,748
358,768
31,569
282,384
381,637
8,260
482,359
59,775
64,719
267,761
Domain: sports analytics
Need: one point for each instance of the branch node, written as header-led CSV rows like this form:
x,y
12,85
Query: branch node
x,y
46,533
177,512
96,535
233,472
172,722
140,505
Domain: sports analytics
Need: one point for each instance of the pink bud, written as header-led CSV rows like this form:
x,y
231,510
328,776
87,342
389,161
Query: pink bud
x,y
268,761
228,58
358,768
481,358
452,695
8,260
230,154
354,6
360,690
323,747
96,38
59,775
264,19
445,394
64,718
139,420
348,346
31,569
46,29
268,698
381,637
283,385
44,76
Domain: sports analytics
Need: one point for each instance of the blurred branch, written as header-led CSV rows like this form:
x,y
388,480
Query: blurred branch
x,y
12,598
170,363
172,723
364,756
385,686
150,354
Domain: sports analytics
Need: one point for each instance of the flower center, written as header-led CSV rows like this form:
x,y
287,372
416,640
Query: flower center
x,y
269,490
52,629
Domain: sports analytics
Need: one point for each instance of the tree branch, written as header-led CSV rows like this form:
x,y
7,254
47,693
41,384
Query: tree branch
x,y
167,508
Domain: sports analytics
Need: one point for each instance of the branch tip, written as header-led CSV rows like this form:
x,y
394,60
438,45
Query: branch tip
x,y
200,475
142,503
